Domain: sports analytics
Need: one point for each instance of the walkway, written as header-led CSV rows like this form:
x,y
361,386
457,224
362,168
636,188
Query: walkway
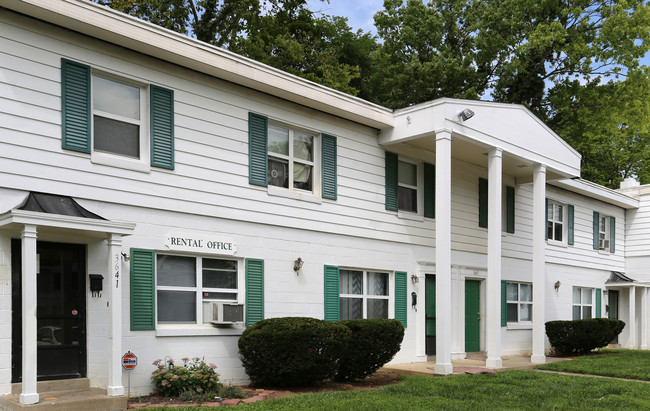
x,y
473,364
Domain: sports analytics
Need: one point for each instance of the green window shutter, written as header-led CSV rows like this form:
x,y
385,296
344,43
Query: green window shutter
x,y
391,181
546,221
258,129
329,166
143,289
400,297
570,213
612,234
75,106
596,219
482,202
254,291
331,298
599,294
510,210
429,190
504,303
162,127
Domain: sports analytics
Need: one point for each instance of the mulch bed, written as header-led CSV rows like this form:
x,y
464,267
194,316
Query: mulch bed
x,y
377,380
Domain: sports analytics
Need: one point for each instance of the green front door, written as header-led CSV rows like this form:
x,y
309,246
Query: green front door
x,y
430,313
472,316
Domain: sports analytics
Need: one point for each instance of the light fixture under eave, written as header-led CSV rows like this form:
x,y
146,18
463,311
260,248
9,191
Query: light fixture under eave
x,y
297,265
415,279
466,114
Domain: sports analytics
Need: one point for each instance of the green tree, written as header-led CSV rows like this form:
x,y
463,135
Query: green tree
x,y
609,124
282,34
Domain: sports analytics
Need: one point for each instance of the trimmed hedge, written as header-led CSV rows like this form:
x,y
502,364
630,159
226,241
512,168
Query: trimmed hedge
x,y
372,344
582,336
292,351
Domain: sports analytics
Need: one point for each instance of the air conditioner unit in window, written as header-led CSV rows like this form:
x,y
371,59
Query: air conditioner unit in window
x,y
603,244
227,313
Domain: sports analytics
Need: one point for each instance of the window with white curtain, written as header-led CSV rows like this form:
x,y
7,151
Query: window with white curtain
x,y
363,294
291,158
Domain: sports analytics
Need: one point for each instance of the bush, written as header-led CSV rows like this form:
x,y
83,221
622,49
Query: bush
x,y
581,336
292,351
372,344
193,377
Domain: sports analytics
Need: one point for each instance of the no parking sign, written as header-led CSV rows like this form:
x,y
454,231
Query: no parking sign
x,y
129,361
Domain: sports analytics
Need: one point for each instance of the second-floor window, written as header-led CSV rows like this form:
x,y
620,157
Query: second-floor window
x,y
603,233
291,158
407,189
555,223
117,118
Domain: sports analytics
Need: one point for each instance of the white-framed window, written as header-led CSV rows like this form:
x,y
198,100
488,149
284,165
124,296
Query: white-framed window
x,y
519,302
583,306
407,186
292,159
603,232
555,225
186,286
119,121
363,294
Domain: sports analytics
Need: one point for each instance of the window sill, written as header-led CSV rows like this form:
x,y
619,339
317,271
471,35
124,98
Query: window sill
x,y
557,243
605,252
296,195
120,162
199,330
520,326
410,216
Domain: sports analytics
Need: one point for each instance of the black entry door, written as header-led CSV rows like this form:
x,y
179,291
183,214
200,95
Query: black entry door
x,y
61,311
613,309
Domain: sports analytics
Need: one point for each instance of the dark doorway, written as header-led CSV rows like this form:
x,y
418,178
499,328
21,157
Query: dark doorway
x,y
613,309
430,313
60,307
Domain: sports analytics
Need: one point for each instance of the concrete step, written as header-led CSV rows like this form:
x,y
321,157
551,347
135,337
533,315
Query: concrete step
x,y
73,384
67,400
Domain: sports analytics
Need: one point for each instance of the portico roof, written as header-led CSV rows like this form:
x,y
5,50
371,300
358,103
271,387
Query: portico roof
x,y
60,212
524,138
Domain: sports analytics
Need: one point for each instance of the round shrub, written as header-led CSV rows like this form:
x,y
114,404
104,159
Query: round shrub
x,y
292,351
193,377
372,344
579,337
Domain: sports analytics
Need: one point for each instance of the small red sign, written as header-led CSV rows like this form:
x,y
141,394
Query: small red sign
x,y
129,361
75,312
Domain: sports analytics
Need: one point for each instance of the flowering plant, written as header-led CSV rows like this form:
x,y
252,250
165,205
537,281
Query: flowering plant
x,y
194,376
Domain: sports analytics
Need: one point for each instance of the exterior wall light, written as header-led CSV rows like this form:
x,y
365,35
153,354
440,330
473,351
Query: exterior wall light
x,y
466,114
415,279
557,286
297,265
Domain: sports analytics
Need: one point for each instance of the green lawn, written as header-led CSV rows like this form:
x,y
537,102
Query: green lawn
x,y
631,364
521,390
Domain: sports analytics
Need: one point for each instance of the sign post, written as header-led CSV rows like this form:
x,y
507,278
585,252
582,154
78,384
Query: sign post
x,y
129,361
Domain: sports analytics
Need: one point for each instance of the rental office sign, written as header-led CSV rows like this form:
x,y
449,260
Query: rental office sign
x,y
200,244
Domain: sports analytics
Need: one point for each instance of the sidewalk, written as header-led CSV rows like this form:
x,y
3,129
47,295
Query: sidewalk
x,y
473,364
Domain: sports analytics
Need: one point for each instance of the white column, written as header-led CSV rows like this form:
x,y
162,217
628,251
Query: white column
x,y
29,393
443,254
644,319
493,282
632,323
539,263
115,387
